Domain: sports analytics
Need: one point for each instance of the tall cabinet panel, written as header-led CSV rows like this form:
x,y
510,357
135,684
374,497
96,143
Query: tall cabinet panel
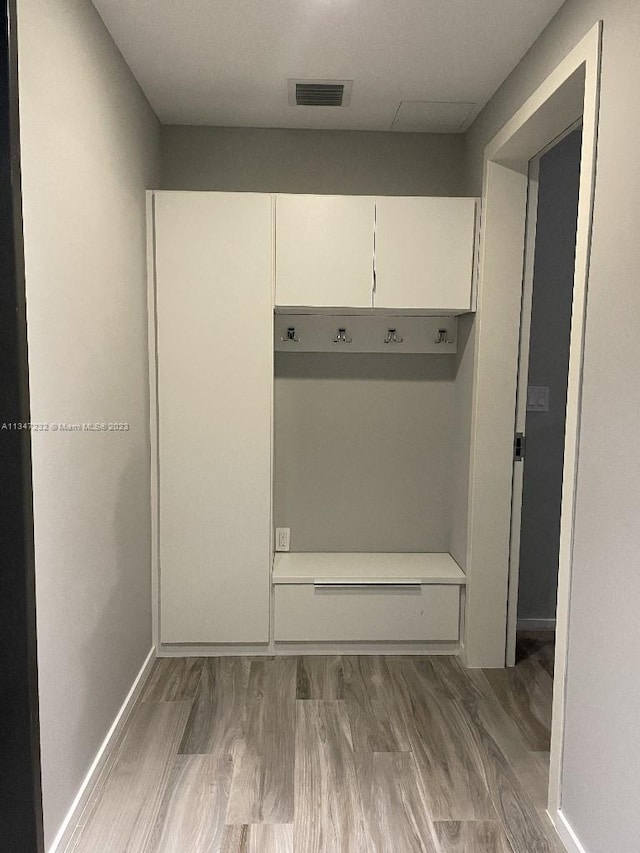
x,y
324,250
424,253
215,373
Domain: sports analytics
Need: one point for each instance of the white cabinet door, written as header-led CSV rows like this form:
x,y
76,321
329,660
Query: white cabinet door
x,y
324,251
424,253
215,349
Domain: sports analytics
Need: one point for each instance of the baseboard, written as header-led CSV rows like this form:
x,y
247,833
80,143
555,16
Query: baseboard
x,y
168,650
536,625
567,833
67,829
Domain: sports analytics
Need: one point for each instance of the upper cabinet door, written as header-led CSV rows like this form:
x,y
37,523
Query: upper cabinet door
x,y
324,250
424,253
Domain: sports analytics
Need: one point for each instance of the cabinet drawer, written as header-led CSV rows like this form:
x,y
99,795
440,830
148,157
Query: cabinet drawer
x,y
375,612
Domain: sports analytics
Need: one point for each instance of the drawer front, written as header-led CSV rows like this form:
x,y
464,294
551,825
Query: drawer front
x,y
304,612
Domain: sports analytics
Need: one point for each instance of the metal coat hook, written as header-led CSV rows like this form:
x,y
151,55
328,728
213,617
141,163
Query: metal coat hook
x,y
291,335
341,337
393,337
442,337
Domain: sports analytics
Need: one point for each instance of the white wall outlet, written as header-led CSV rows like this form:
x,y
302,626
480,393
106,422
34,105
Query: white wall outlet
x,y
283,536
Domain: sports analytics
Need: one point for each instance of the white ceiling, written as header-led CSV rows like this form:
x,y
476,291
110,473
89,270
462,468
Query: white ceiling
x,y
416,65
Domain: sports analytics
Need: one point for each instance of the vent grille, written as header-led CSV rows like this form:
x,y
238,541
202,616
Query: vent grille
x,y
319,93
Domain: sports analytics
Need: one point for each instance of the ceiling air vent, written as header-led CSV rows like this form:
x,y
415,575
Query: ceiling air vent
x,y
320,93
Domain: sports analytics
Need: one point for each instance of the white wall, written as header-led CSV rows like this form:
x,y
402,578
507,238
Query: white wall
x,y
312,161
89,149
601,770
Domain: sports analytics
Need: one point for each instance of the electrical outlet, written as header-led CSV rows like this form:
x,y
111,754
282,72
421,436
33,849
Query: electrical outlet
x,y
283,535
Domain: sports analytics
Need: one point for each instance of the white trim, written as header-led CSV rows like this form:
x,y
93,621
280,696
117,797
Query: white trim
x,y
513,623
72,817
571,90
152,341
180,650
587,53
536,624
567,834
531,226
272,461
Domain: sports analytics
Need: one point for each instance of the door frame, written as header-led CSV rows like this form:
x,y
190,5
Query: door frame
x,y
570,91
521,391
531,223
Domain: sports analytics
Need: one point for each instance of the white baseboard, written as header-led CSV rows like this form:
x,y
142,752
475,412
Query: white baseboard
x,y
536,625
67,829
180,650
567,833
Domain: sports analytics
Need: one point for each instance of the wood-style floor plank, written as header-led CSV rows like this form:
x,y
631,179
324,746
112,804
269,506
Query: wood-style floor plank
x,y
495,719
214,726
328,812
539,645
173,680
453,680
526,693
192,812
517,812
533,774
376,724
471,837
262,786
449,762
413,740
122,811
531,768
395,812
320,677
258,838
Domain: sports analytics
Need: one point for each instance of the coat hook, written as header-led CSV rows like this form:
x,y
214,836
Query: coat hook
x,y
442,337
393,337
341,337
291,335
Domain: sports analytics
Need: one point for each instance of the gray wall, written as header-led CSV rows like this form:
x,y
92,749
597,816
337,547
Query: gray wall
x,y
311,161
90,146
548,365
601,765
363,448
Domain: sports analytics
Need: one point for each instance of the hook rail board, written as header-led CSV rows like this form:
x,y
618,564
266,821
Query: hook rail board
x,y
359,334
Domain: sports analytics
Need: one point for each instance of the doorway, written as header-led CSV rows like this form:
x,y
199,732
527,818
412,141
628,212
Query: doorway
x,y
545,337
571,91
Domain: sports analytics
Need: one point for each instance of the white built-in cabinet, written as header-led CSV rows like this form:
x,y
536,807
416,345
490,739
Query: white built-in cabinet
x,y
375,252
214,309
324,250
218,259
425,253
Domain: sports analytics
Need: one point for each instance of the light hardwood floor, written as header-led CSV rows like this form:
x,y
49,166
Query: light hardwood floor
x,y
330,755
